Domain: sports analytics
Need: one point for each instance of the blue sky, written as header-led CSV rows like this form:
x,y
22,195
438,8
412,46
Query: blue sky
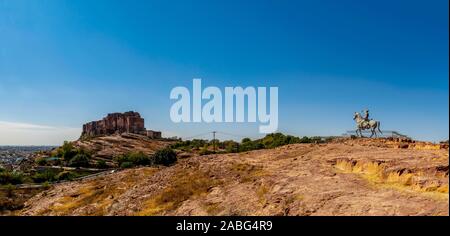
x,y
63,63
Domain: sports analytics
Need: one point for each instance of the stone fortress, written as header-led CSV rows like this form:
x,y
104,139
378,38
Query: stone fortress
x,y
118,123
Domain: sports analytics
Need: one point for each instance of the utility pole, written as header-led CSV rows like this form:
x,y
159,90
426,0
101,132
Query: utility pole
x,y
214,141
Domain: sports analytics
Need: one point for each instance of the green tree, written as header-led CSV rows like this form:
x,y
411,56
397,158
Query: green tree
x,y
79,160
101,164
11,177
166,157
44,176
67,151
126,165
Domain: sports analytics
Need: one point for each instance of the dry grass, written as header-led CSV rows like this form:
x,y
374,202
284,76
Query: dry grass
x,y
247,172
427,147
213,208
183,186
261,193
376,173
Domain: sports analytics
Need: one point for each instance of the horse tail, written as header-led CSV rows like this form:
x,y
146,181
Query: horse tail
x,y
378,127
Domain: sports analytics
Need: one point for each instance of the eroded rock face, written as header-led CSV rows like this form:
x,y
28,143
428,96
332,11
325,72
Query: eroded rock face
x,y
115,123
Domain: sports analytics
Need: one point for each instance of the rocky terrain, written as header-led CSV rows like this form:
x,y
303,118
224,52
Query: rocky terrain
x,y
344,177
107,147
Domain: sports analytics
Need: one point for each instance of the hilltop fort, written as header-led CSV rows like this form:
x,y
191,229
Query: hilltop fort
x,y
118,123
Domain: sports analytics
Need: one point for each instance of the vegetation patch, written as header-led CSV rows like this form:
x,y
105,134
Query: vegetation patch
x,y
164,157
67,155
247,172
205,147
45,176
11,177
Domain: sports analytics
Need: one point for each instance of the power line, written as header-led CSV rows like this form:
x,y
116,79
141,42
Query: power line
x,y
218,132
235,135
197,135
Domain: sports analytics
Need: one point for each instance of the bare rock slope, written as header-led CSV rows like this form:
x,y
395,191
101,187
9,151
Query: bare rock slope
x,y
342,178
107,147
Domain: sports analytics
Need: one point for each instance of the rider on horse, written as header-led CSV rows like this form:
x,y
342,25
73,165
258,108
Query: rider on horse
x,y
363,122
366,118
366,114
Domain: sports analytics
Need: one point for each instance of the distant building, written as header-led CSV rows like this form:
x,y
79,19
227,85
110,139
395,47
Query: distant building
x,y
118,123
153,134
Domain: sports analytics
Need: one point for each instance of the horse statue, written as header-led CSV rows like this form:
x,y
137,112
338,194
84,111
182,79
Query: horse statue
x,y
363,124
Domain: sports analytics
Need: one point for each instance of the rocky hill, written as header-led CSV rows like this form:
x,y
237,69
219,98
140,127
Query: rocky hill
x,y
107,147
346,177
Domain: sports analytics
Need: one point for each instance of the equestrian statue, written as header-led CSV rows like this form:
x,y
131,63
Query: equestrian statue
x,y
363,123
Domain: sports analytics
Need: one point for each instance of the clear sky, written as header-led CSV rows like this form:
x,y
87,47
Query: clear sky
x,y
63,63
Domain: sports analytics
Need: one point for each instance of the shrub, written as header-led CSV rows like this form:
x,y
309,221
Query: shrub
x,y
126,165
101,164
250,145
166,157
121,159
246,140
10,190
291,139
139,158
67,151
11,177
305,140
46,185
79,160
66,175
186,149
42,161
194,144
316,139
275,140
205,151
47,175
231,146
135,158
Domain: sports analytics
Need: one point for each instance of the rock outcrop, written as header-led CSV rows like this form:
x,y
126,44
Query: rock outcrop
x,y
109,146
118,123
